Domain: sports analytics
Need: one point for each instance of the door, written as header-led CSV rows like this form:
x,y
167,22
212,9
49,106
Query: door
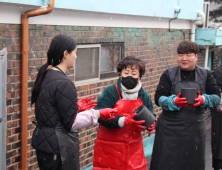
x,y
3,120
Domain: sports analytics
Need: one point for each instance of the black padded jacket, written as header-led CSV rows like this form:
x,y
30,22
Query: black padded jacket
x,y
55,106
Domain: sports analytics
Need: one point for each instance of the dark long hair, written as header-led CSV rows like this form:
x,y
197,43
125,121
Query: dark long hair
x,y
59,44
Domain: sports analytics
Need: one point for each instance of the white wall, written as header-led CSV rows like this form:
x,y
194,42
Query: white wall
x,y
11,13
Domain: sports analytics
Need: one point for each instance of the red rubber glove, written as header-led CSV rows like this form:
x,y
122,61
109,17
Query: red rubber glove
x,y
129,121
199,100
180,101
107,113
221,111
151,128
86,103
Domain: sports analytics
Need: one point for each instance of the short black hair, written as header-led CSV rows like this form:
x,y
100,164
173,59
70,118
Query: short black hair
x,y
186,47
132,61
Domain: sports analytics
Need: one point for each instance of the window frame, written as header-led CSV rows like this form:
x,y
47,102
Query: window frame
x,y
101,76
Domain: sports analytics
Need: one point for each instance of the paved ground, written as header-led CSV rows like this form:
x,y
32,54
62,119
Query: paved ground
x,y
208,154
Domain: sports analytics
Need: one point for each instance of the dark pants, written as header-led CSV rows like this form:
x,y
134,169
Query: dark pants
x,y
217,163
48,162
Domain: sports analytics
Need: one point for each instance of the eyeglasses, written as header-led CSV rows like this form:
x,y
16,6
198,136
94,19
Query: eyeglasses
x,y
185,55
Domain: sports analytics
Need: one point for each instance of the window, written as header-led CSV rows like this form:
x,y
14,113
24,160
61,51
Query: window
x,y
87,63
111,54
97,61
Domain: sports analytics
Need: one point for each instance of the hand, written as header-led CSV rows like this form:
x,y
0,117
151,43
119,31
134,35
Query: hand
x,y
199,100
151,128
86,103
219,107
107,113
180,101
129,121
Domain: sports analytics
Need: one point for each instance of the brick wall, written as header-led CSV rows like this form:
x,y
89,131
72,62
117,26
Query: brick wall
x,y
156,46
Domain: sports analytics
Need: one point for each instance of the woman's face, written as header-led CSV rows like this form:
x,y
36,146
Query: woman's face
x,y
130,71
71,58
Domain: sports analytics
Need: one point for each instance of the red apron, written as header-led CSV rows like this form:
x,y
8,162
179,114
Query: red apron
x,y
120,148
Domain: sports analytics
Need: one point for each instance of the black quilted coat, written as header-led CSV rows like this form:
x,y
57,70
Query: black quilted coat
x,y
217,121
55,111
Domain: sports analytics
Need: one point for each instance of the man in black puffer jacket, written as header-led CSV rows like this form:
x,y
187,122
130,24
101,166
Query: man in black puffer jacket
x,y
180,132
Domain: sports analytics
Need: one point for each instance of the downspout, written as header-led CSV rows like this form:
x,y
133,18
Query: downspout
x,y
193,27
207,11
197,22
24,76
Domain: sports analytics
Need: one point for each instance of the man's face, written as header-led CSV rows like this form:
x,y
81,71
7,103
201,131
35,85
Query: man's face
x,y
187,62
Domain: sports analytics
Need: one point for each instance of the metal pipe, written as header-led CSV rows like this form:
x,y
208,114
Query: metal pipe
x,y
197,22
193,27
24,76
206,57
207,11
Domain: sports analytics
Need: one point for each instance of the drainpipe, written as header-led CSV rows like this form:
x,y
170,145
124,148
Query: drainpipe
x,y
197,22
207,11
193,27
24,76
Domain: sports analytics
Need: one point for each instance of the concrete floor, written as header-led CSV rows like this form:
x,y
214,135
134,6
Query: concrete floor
x,y
208,154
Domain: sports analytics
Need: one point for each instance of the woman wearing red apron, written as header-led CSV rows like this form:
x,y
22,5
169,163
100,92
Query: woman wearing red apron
x,y
119,144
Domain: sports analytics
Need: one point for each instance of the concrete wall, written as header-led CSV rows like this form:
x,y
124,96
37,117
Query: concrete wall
x,y
159,8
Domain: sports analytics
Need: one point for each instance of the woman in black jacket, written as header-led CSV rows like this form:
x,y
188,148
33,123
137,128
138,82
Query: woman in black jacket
x,y
55,137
